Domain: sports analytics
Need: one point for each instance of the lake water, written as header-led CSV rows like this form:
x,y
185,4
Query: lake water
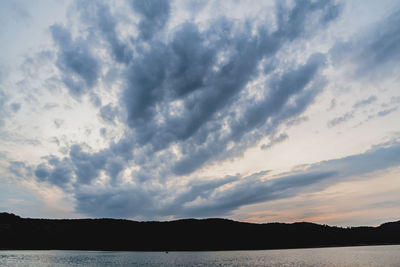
x,y
344,256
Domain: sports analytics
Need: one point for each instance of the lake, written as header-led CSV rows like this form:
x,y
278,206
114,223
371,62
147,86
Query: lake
x,y
343,256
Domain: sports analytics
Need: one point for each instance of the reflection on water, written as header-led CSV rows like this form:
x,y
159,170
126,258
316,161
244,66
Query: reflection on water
x,y
345,256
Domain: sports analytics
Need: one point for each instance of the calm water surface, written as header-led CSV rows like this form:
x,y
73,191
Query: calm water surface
x,y
345,256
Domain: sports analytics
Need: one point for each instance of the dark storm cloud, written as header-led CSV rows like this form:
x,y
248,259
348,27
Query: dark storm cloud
x,y
79,68
99,17
82,168
376,52
204,80
188,69
292,24
42,172
154,15
184,90
293,84
118,203
257,119
57,172
107,24
87,165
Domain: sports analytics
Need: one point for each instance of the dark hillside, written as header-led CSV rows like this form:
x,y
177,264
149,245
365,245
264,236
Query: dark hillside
x,y
189,234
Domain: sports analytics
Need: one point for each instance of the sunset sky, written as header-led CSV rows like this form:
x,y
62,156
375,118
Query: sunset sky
x,y
257,111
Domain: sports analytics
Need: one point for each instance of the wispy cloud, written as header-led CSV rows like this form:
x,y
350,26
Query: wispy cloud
x,y
338,120
223,196
365,102
275,140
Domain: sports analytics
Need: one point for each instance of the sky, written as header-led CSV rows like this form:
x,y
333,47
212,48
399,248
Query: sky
x,y
257,111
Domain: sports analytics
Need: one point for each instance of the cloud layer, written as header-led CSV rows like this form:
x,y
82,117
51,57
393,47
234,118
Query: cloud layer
x,y
185,98
176,97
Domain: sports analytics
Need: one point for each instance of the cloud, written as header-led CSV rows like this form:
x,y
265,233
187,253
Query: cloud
x,y
154,16
389,108
42,172
178,97
3,110
297,121
365,102
109,113
252,190
274,107
14,10
57,172
332,105
15,107
185,98
256,189
79,68
275,140
338,120
385,112
49,106
98,15
58,123
6,110
392,104
349,115
20,169
375,52
117,203
220,197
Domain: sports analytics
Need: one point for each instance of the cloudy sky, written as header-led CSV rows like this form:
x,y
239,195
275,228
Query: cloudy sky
x,y
256,111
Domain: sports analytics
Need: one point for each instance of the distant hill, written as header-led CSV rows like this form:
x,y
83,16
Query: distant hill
x,y
183,235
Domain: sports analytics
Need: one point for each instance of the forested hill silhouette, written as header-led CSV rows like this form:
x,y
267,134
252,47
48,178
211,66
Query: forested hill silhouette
x,y
180,235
